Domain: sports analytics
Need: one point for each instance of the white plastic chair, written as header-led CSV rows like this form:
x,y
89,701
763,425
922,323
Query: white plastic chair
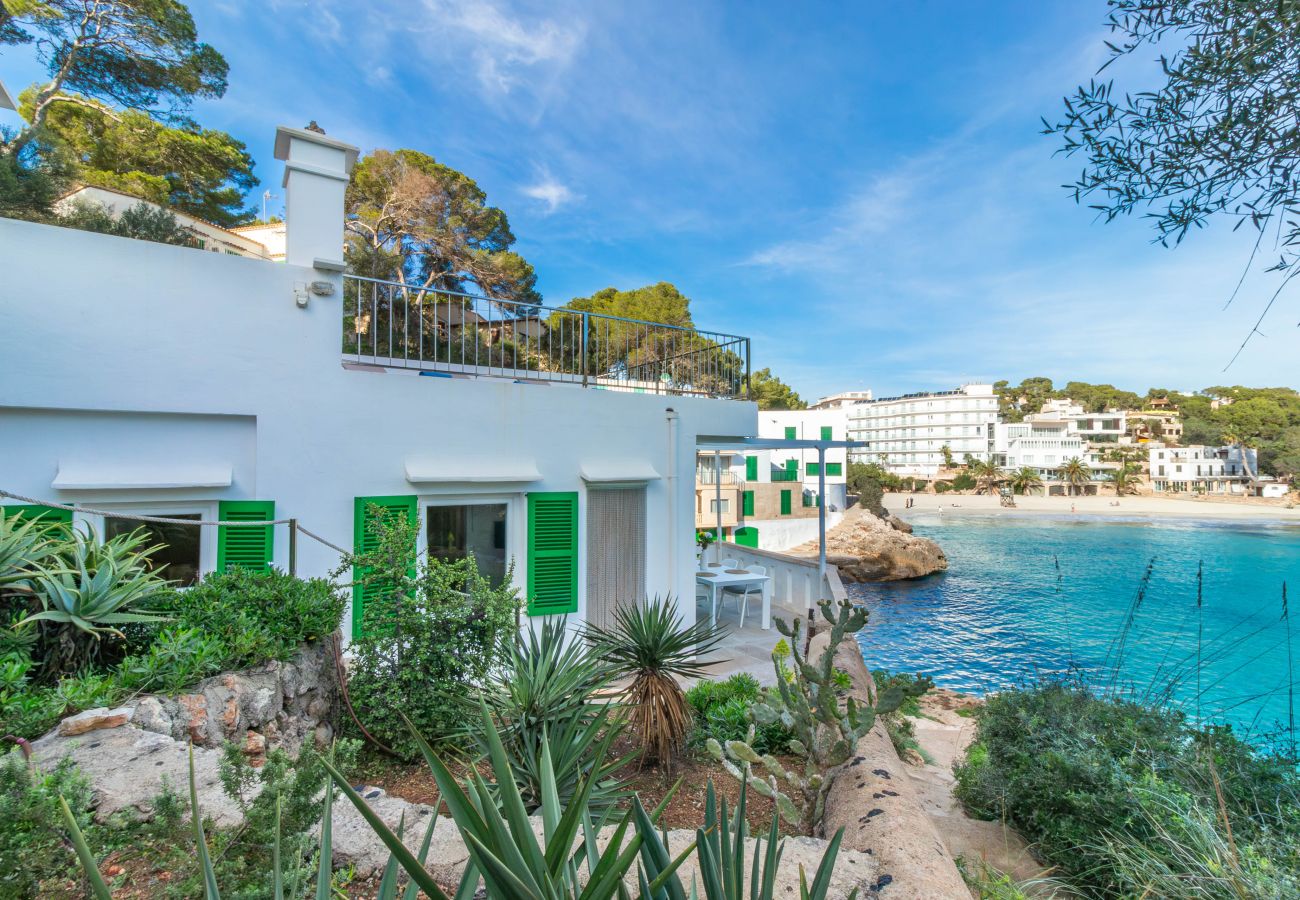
x,y
742,594
731,564
702,592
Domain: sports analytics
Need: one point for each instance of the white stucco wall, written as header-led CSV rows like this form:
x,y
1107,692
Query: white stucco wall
x,y
119,352
783,534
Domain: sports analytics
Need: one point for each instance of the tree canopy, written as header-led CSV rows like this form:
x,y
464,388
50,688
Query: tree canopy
x,y
772,393
414,220
1217,137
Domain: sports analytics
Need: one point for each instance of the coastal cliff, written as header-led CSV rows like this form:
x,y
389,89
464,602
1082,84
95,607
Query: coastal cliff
x,y
865,547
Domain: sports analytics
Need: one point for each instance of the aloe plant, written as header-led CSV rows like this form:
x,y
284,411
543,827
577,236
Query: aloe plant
x,y
25,543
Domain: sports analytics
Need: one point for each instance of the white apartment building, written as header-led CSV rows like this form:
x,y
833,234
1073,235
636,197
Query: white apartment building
x,y
1101,432
1199,469
907,434
842,399
1040,443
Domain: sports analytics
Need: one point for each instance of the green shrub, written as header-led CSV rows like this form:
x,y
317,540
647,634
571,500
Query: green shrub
x,y
942,487
963,481
723,712
258,616
1076,774
32,848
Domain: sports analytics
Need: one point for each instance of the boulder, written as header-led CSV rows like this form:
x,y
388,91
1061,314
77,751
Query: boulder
x,y
865,547
95,719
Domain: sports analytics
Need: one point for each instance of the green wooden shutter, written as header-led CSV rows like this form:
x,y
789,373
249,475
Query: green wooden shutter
x,y
363,541
552,553
747,503
826,433
835,468
791,433
814,468
36,511
244,546
747,537
785,503
751,468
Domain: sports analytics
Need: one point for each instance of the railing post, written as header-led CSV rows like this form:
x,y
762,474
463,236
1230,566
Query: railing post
x,y
584,349
293,547
748,393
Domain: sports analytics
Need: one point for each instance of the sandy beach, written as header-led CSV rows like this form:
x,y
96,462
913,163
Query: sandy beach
x,y
1154,507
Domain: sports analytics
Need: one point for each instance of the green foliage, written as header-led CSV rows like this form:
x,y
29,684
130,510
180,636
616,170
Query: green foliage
x,y
411,218
516,864
942,487
31,845
1106,788
771,392
870,481
31,178
550,689
140,222
648,644
258,616
898,722
723,713
26,544
963,481
429,632
1025,480
826,726
1075,473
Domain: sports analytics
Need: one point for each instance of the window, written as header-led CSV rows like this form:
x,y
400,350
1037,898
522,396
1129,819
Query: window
x,y
751,468
813,468
717,506
177,557
747,503
785,503
826,433
455,532
791,433
834,468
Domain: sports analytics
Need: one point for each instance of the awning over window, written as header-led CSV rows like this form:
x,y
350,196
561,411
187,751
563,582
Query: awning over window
x,y
444,470
158,475
618,471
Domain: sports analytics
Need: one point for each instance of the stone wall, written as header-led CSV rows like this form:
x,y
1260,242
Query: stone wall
x,y
271,705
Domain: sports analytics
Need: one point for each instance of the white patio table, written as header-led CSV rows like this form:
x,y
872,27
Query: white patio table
x,y
715,577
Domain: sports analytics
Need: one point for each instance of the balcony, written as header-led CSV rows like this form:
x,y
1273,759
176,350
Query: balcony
x,y
394,325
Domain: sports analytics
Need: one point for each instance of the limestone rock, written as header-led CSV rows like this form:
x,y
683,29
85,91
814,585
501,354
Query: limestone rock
x,y
95,719
867,548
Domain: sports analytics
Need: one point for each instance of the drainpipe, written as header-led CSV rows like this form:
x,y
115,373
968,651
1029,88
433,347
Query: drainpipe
x,y
671,415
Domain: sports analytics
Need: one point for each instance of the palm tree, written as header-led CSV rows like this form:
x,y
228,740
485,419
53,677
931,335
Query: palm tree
x,y
1075,473
1025,480
1124,480
987,476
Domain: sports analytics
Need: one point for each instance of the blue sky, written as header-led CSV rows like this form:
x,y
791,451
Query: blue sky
x,y
861,188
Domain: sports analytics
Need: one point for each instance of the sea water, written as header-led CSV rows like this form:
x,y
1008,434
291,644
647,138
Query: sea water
x,y
1113,601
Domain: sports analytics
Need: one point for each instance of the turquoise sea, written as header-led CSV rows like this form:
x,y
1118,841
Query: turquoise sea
x,y
1114,601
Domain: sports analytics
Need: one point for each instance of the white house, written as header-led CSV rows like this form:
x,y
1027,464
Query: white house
x,y
143,378
1040,442
1199,469
844,398
247,241
907,434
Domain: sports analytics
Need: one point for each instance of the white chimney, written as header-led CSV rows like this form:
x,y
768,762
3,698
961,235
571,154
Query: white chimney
x,y
316,170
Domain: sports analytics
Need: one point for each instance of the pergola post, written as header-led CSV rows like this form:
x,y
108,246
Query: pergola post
x,y
717,505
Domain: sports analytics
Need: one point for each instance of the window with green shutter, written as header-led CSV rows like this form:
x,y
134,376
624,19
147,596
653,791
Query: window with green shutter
x,y
364,541
552,553
792,465
835,468
36,511
751,468
747,503
826,433
791,433
245,546
814,468
785,503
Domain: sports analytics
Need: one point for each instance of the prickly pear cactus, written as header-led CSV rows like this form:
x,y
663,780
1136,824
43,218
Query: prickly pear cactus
x,y
826,727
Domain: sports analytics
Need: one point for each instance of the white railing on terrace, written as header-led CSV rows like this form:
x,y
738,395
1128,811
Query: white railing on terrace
x,y
794,578
395,325
712,476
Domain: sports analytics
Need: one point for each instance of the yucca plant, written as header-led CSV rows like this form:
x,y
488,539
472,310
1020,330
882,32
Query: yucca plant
x,y
552,686
649,644
94,588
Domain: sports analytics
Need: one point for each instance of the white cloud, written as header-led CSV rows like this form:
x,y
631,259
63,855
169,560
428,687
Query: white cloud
x,y
506,49
550,191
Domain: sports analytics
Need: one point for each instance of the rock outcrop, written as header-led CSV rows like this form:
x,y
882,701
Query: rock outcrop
x,y
865,547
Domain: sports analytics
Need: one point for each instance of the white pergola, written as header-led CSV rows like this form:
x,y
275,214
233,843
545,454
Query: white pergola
x,y
719,444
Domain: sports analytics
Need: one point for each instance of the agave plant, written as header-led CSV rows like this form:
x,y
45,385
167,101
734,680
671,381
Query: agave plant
x,y
649,644
515,864
97,587
550,686
25,543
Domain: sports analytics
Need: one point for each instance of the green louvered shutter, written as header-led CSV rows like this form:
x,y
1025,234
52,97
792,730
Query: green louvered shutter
x,y
35,511
814,468
834,468
785,503
751,468
552,553
826,433
792,466
245,546
791,433
747,503
363,541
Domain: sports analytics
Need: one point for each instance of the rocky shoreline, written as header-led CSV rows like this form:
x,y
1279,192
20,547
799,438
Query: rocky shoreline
x,y
865,547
